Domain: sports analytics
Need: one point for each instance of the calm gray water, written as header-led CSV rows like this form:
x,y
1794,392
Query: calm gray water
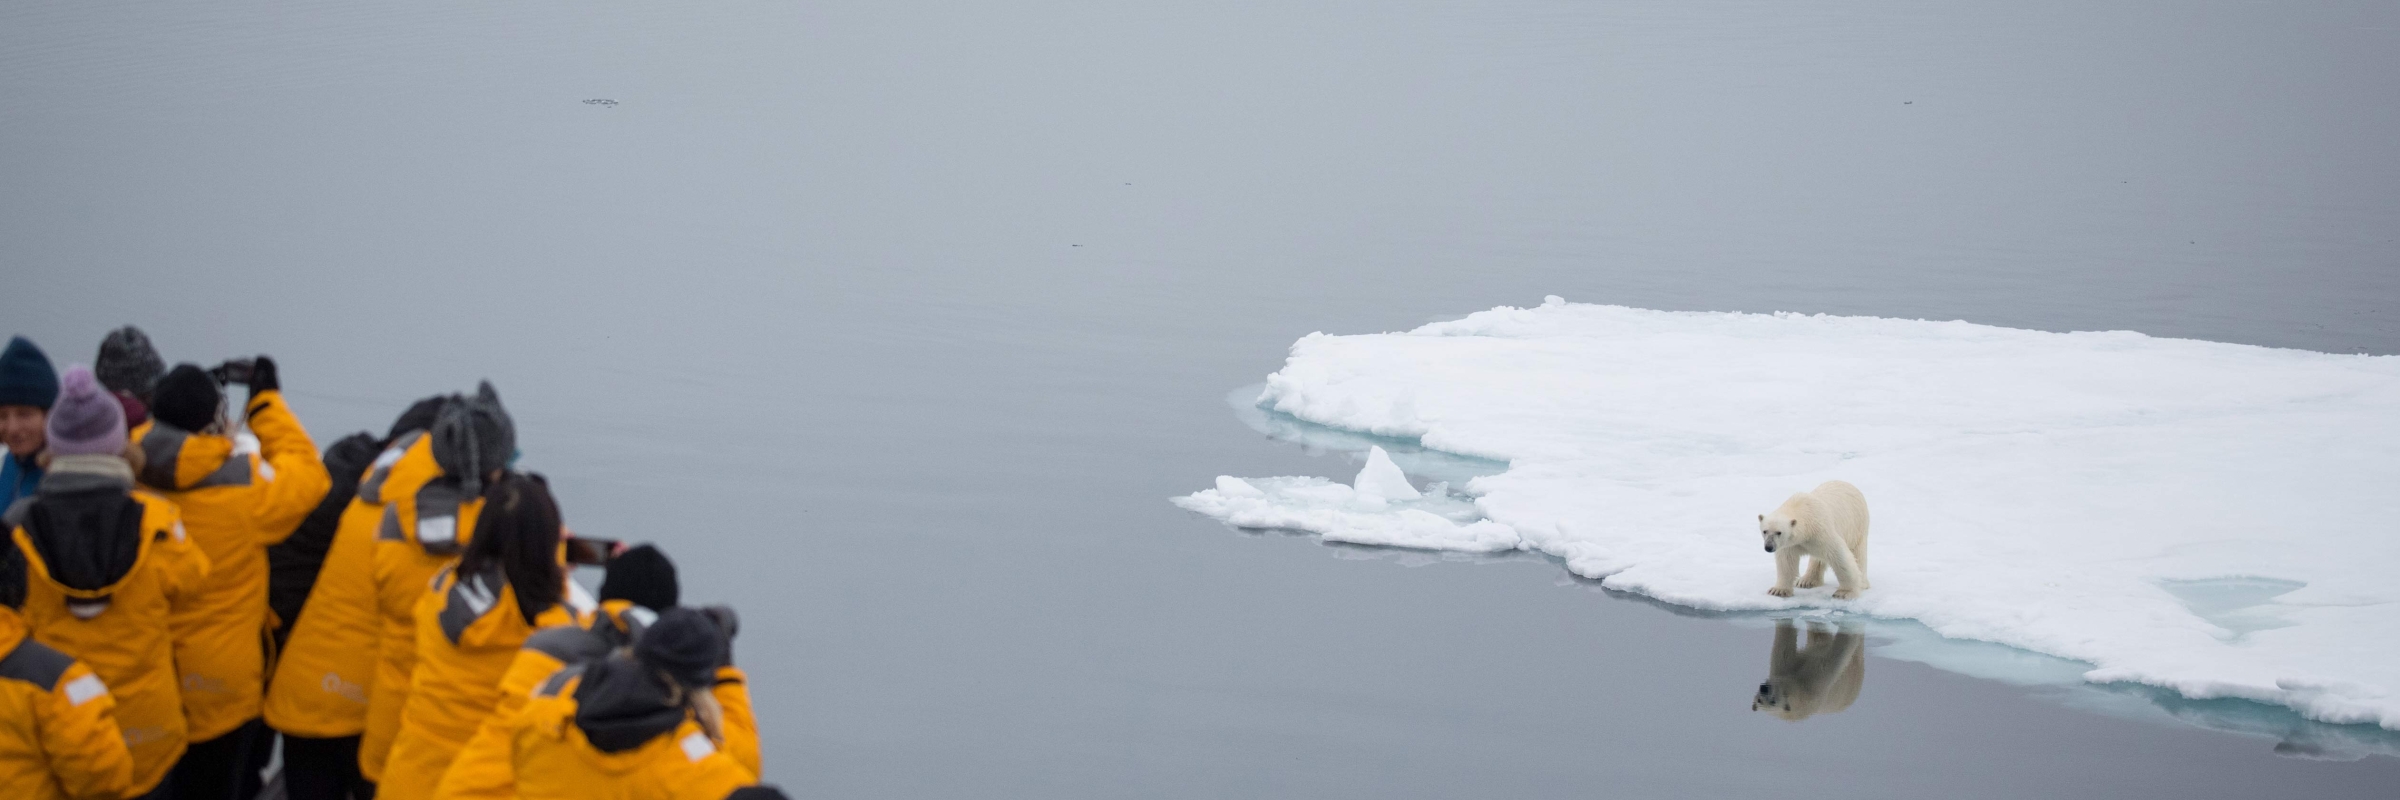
x,y
897,323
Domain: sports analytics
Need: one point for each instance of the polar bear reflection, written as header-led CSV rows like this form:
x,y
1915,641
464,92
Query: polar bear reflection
x,y
1821,678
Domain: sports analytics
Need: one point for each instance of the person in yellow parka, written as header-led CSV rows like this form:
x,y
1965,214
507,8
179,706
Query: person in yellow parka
x,y
471,622
430,505
108,569
641,583
234,505
318,696
637,725
58,725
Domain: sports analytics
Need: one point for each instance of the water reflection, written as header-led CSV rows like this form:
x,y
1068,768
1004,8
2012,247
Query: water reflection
x,y
1822,677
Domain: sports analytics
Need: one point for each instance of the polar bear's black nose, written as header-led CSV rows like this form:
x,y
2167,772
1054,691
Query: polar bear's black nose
x,y
1770,548
1765,688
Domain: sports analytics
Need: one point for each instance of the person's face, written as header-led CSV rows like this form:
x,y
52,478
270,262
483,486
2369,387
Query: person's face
x,y
21,428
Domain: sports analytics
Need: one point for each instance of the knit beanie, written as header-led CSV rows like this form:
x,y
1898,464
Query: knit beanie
x,y
187,398
419,416
685,644
473,436
26,377
128,363
643,575
86,420
763,791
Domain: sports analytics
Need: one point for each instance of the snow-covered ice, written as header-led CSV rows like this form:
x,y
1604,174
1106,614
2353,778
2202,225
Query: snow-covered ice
x,y
1382,478
2213,520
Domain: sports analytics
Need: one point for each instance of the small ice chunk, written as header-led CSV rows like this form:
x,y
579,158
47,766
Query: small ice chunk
x,y
1231,486
1383,479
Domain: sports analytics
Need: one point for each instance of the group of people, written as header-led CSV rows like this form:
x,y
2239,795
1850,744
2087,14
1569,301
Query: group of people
x,y
185,584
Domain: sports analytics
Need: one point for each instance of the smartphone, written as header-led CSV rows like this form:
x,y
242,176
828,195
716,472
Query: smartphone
x,y
592,552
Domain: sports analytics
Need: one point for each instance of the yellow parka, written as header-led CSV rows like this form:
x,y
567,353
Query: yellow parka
x,y
58,725
482,770
118,620
234,505
550,757
427,520
321,683
469,630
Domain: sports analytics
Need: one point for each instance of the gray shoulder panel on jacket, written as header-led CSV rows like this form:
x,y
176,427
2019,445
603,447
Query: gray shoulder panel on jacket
x,y
36,663
568,644
558,681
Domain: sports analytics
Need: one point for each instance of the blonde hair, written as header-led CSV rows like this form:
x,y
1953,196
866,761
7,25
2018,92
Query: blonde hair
x,y
703,704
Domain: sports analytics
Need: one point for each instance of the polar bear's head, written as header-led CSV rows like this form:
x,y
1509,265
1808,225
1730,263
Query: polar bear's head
x,y
1775,697
1779,532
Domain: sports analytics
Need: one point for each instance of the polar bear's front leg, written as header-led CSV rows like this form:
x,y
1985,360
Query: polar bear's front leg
x,y
1815,576
1845,569
1787,567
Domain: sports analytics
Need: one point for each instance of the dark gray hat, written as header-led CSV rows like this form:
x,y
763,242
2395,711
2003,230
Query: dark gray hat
x,y
473,436
685,644
127,362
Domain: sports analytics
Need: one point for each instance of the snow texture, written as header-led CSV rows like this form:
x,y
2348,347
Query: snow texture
x,y
2208,519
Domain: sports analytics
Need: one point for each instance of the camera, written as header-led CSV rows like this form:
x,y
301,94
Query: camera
x,y
234,370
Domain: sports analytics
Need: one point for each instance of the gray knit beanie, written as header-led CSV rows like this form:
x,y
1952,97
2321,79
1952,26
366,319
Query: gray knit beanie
x,y
128,363
473,436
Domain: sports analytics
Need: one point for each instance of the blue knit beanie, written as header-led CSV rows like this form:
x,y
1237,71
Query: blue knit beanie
x,y
26,378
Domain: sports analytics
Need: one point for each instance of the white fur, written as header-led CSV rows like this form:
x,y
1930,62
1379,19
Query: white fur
x,y
1829,525
1821,678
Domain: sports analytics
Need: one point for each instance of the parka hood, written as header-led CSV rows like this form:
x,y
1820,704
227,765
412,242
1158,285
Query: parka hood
x,y
85,529
619,705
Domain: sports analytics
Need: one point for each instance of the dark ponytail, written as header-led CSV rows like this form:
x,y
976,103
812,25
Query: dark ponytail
x,y
12,575
517,535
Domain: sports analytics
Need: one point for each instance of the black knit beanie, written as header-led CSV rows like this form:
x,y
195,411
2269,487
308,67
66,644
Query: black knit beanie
x,y
26,377
186,398
644,576
685,644
764,791
128,363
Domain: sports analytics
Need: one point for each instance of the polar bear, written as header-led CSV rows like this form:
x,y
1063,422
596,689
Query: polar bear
x,y
1829,525
1822,678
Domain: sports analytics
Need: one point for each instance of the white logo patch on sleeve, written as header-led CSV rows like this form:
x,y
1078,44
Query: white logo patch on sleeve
x,y
437,529
179,530
697,746
82,690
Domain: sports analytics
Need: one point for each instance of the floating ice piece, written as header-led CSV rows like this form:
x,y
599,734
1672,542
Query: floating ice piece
x,y
1382,478
2110,498
1340,513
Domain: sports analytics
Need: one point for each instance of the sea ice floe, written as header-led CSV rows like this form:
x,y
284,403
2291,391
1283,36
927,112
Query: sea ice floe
x,y
2207,519
1380,509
